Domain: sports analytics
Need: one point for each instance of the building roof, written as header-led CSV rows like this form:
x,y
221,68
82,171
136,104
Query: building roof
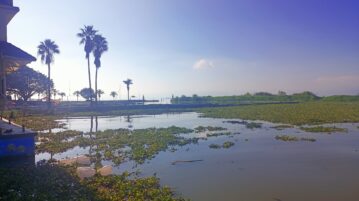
x,y
6,2
14,56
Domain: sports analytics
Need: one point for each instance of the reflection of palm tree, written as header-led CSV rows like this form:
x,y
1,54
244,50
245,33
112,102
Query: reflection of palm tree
x,y
91,130
128,82
91,125
96,123
77,94
91,139
113,94
46,50
87,35
129,121
100,46
100,93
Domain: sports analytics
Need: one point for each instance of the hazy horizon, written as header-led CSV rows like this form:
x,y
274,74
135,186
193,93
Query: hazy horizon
x,y
199,47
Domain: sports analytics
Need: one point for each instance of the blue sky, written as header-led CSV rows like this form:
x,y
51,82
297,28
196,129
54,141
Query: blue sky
x,y
205,47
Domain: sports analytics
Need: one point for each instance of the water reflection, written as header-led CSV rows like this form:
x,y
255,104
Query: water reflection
x,y
96,123
92,151
91,125
257,168
129,120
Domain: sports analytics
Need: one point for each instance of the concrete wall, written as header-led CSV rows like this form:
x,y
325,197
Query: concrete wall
x,y
12,145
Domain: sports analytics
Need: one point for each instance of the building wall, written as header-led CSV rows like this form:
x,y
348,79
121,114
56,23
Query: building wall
x,y
7,12
3,32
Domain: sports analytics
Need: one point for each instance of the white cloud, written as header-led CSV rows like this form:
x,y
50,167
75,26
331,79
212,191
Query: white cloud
x,y
203,64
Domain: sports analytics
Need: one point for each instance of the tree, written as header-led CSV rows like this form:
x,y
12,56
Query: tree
x,y
128,82
62,94
77,94
281,93
100,92
100,46
87,93
113,94
87,35
46,50
263,94
25,82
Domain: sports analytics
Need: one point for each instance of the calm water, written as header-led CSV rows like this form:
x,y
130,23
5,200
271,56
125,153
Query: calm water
x,y
256,168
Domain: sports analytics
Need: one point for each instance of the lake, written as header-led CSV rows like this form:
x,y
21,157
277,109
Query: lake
x,y
257,168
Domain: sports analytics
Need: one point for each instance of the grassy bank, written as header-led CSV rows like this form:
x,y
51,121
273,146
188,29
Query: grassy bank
x,y
53,182
311,113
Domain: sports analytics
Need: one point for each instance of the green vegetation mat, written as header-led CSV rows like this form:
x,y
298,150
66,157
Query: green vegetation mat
x,y
117,145
311,113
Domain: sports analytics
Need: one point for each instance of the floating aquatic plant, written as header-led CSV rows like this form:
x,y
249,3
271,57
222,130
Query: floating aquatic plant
x,y
288,138
227,144
215,146
322,129
282,127
200,129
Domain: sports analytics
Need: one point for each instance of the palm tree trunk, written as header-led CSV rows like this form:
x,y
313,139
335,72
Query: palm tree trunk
x,y
128,94
96,85
89,73
77,97
49,85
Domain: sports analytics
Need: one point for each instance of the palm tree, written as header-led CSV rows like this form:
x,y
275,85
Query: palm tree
x,y
128,82
62,94
100,46
46,50
77,94
113,94
55,92
100,92
87,35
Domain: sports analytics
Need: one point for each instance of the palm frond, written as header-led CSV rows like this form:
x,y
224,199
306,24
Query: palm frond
x,y
46,51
